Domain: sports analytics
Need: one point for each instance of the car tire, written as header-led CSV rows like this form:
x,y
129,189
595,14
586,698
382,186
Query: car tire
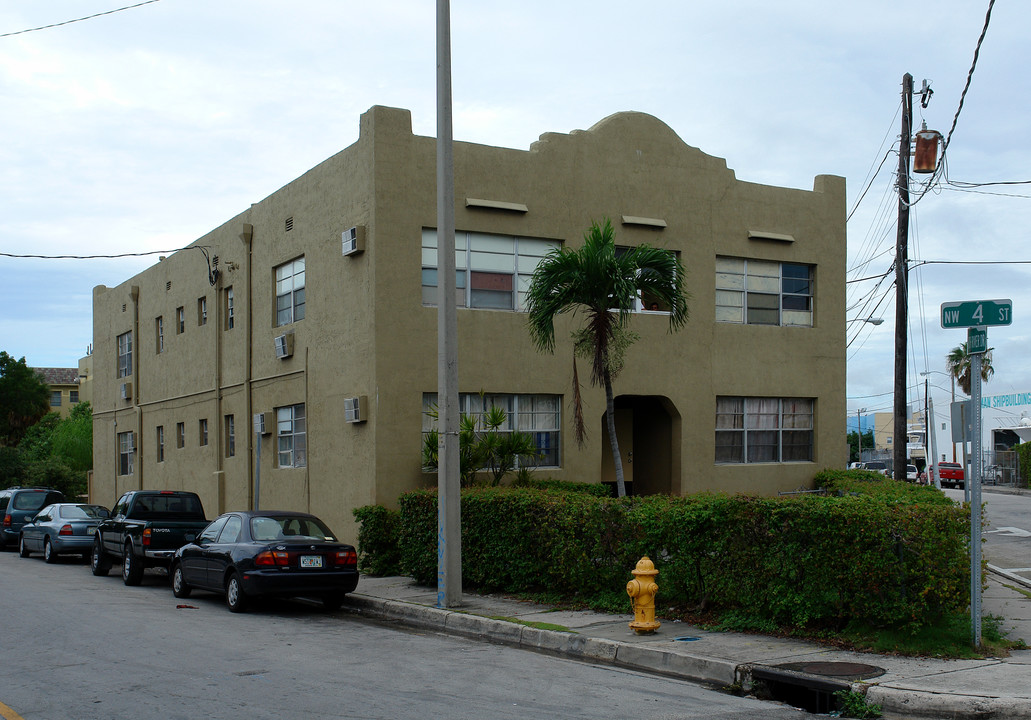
x,y
132,569
22,550
179,587
236,601
48,551
99,562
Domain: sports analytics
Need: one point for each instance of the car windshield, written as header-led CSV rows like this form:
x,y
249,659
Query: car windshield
x,y
269,528
30,500
81,512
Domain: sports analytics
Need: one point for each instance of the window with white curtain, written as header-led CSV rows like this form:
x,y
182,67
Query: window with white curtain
x,y
492,271
537,415
764,430
763,292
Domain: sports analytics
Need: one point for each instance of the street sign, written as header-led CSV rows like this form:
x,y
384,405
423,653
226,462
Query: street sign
x,y
977,340
977,312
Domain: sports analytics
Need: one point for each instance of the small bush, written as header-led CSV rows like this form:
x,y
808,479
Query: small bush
x,y
378,549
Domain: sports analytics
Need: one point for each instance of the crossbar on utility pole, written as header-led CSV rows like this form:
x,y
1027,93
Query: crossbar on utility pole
x,y
899,430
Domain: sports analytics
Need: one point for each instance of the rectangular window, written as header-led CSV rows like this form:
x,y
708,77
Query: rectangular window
x,y
159,441
764,292
55,398
764,430
73,396
180,320
125,354
126,452
290,292
159,333
229,317
291,436
180,435
203,432
230,428
202,311
538,415
492,271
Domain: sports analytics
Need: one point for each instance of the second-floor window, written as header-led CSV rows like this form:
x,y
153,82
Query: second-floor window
x,y
291,436
126,453
763,292
230,318
290,292
492,271
159,333
125,354
180,320
230,430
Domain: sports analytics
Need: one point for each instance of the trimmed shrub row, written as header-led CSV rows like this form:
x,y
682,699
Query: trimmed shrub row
x,y
882,552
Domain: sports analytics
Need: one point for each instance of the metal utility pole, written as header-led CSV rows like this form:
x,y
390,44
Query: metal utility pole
x,y
449,524
899,434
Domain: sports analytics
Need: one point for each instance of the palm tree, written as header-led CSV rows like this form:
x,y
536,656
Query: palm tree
x,y
957,362
605,285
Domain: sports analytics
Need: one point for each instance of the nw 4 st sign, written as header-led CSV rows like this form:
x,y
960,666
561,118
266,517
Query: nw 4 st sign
x,y
977,313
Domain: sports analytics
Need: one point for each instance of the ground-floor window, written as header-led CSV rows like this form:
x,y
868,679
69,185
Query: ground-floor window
x,y
538,415
764,430
291,436
126,452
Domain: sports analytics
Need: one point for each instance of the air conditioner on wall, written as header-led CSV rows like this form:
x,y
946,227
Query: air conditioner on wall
x,y
356,409
259,423
126,391
352,240
284,345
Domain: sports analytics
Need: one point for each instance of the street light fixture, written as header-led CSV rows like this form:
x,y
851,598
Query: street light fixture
x,y
871,320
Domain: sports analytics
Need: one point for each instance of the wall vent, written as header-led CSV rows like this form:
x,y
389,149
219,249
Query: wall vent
x,y
289,223
352,240
284,345
356,409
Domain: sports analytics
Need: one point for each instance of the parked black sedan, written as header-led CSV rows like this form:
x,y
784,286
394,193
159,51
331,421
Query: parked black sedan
x,y
265,553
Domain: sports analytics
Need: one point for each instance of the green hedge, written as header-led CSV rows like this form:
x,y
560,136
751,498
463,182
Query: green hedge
x,y
378,549
886,556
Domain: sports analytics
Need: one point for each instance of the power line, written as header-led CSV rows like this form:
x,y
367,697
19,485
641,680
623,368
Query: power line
x,y
92,257
69,22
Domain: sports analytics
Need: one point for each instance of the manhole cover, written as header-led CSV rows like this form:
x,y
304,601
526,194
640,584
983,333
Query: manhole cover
x,y
848,670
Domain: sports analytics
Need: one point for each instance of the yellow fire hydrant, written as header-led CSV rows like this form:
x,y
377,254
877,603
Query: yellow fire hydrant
x,y
642,590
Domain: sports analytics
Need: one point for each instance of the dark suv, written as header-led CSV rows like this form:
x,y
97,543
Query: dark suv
x,y
18,505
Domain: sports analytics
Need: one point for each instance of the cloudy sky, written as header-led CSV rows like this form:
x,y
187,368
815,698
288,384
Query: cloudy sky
x,y
140,130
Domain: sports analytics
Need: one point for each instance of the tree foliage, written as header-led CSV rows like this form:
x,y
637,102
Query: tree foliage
x,y
54,452
604,284
483,445
24,399
957,364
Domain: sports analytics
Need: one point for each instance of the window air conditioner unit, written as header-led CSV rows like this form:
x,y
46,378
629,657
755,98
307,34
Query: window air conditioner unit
x,y
262,423
126,391
356,409
284,345
352,241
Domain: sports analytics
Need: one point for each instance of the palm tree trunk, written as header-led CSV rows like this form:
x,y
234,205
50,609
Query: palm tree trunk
x,y
610,415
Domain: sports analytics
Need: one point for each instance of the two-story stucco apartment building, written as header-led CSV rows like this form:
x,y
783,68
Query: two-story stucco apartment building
x,y
313,312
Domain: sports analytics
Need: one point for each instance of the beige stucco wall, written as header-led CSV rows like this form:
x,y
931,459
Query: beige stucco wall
x,y
366,331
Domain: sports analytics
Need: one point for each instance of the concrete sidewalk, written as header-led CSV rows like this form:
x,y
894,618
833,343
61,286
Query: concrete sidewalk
x,y
903,687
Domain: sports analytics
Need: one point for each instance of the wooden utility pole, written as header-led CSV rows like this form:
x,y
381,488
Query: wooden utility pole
x,y
899,431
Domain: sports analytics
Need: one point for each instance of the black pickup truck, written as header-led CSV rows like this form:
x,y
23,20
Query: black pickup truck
x,y
145,529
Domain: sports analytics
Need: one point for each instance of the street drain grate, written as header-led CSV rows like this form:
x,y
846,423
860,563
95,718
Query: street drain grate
x,y
843,670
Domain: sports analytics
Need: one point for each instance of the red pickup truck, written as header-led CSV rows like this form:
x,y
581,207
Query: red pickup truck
x,y
951,474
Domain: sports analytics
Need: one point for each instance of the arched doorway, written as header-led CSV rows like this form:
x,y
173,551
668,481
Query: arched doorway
x,y
648,433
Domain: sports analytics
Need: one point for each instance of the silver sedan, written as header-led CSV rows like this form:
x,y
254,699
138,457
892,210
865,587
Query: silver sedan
x,y
61,528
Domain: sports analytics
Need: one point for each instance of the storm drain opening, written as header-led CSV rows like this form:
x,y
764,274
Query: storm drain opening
x,y
811,685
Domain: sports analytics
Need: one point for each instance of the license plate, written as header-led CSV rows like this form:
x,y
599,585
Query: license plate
x,y
311,561
91,531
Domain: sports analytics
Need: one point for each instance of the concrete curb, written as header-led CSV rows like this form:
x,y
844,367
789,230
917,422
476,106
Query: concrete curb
x,y
708,671
899,703
714,672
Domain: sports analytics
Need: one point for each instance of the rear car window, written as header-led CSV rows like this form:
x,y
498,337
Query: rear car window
x,y
156,507
30,500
